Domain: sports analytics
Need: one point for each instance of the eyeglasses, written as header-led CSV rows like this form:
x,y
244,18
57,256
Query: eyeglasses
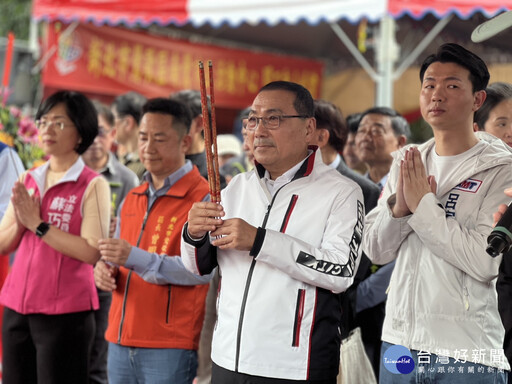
x,y
102,132
44,124
373,131
118,119
270,122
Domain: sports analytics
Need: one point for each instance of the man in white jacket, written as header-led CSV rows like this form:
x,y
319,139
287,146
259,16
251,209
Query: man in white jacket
x,y
286,240
434,217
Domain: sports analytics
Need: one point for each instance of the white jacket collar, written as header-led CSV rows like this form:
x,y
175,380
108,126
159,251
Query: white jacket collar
x,y
72,174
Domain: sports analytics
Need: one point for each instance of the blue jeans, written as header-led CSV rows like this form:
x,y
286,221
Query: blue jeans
x,y
430,370
129,365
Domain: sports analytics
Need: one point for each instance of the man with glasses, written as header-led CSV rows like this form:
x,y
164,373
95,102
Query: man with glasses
x,y
286,239
121,180
100,158
127,110
244,162
381,131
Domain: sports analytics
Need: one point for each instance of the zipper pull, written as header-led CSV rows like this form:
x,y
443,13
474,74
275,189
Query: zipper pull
x,y
466,299
143,226
145,219
264,224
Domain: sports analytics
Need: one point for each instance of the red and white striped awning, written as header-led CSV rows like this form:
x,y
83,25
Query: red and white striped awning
x,y
271,12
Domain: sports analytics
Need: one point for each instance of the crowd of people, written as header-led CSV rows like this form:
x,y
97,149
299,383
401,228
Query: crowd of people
x,y
329,229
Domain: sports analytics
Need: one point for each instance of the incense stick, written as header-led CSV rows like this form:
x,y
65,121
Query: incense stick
x,y
210,138
214,136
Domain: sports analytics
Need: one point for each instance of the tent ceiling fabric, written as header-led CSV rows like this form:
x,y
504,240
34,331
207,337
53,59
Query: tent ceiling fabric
x,y
320,42
200,12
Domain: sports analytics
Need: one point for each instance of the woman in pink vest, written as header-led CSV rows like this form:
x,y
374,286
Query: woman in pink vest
x,y
57,213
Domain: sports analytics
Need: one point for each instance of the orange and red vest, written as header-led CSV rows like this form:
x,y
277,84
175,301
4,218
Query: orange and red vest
x,y
157,316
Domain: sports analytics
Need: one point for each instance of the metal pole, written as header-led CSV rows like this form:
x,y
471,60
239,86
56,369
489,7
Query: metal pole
x,y
354,51
387,53
406,63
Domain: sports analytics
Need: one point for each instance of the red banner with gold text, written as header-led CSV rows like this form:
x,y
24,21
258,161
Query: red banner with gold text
x,y
110,61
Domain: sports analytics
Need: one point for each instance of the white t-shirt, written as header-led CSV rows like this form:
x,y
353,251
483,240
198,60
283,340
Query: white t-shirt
x,y
446,168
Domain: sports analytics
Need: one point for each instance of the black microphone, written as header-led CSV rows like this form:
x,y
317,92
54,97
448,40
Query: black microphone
x,y
500,239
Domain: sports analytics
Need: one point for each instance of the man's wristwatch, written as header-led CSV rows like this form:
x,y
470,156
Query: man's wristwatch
x,y
42,229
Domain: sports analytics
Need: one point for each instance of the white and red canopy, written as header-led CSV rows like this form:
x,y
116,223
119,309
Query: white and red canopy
x,y
219,12
307,18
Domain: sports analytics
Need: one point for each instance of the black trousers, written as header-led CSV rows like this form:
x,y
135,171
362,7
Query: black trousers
x,y
46,349
99,351
224,376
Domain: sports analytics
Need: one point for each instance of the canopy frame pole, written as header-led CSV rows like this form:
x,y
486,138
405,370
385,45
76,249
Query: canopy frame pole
x,y
430,36
354,51
387,53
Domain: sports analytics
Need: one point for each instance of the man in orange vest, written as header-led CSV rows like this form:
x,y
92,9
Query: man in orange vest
x,y
157,305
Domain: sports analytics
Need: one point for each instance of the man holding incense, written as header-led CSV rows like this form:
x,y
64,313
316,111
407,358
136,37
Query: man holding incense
x,y
286,238
157,305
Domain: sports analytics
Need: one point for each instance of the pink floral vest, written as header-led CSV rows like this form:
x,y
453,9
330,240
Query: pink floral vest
x,y
43,280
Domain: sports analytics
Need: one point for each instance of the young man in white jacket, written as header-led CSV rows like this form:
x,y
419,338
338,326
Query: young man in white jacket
x,y
286,244
434,217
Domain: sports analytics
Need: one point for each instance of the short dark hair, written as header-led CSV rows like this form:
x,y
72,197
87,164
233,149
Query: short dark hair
x,y
192,99
454,53
398,123
496,93
328,116
104,111
244,113
179,112
79,110
238,129
353,122
303,103
130,104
